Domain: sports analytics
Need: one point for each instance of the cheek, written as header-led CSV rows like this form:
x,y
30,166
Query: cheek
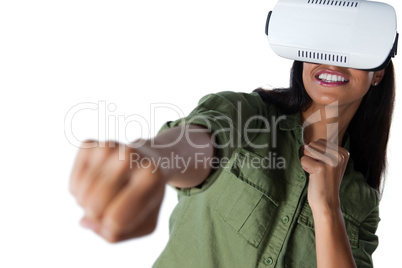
x,y
364,78
307,79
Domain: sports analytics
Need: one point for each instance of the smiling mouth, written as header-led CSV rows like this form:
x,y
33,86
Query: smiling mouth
x,y
332,78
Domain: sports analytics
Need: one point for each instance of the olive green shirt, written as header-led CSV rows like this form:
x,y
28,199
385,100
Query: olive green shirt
x,y
252,211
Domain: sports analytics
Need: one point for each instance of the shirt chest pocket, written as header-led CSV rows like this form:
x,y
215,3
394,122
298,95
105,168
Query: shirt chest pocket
x,y
249,198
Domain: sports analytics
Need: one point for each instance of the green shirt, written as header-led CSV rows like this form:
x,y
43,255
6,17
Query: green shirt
x,y
252,211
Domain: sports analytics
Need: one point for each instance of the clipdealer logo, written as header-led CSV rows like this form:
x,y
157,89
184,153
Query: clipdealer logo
x,y
111,126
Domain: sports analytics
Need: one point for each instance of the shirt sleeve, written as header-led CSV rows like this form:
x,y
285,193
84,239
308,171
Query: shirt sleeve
x,y
225,114
368,240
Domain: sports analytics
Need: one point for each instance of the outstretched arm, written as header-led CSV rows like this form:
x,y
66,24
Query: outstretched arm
x,y
121,187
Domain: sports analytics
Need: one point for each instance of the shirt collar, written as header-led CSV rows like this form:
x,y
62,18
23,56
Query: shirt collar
x,y
291,122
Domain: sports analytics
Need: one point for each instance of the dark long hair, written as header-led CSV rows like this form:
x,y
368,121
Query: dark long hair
x,y
369,128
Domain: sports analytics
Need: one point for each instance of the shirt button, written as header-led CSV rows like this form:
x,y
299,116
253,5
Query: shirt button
x,y
269,261
285,219
302,178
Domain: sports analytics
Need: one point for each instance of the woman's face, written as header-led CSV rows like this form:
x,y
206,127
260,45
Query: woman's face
x,y
327,84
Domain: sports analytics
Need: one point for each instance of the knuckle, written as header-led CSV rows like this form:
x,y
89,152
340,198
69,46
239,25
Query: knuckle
x,y
346,155
343,151
116,153
340,157
333,161
88,144
109,145
113,237
113,240
113,223
112,230
343,156
110,236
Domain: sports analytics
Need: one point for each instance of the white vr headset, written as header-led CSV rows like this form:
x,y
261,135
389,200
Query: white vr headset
x,y
356,34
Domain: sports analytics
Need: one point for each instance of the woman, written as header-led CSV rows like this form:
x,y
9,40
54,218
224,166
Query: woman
x,y
264,179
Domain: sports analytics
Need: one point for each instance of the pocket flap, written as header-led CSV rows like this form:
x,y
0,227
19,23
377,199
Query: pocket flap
x,y
257,172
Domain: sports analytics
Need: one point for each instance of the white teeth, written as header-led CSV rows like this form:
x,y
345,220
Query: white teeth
x,y
331,78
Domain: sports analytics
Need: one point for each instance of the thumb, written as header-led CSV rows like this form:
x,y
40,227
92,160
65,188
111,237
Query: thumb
x,y
310,165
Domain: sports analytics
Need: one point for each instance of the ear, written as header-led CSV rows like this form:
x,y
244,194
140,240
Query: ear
x,y
377,77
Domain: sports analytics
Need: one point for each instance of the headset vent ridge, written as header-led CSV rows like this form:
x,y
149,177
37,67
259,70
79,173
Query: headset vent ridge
x,y
338,3
322,56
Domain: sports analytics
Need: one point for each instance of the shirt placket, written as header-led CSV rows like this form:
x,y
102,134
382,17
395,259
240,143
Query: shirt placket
x,y
287,211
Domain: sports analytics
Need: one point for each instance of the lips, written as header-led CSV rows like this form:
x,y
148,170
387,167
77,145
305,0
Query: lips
x,y
331,78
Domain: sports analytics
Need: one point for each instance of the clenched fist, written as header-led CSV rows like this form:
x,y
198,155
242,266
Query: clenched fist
x,y
326,163
120,200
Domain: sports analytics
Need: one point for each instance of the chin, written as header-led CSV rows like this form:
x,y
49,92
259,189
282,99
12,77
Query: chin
x,y
325,100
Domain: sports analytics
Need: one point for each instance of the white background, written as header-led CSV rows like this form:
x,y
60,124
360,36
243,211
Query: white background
x,y
126,54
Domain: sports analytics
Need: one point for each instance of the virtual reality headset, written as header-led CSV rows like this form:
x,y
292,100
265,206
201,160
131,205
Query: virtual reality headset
x,y
355,34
